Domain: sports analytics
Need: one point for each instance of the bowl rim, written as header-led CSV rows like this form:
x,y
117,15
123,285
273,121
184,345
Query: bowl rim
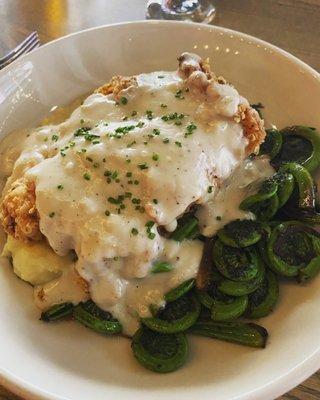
x,y
275,388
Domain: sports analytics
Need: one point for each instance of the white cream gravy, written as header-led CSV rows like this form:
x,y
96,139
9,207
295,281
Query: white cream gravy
x,y
157,167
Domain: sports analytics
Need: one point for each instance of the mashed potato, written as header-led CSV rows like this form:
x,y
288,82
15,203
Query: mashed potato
x,y
35,262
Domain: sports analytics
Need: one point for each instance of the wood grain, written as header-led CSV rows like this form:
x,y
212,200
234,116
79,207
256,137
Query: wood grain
x,y
290,24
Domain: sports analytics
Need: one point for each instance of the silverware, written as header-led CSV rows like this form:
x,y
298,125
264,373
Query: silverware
x,y
29,43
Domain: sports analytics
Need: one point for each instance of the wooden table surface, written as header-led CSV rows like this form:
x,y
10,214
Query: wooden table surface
x,y
290,24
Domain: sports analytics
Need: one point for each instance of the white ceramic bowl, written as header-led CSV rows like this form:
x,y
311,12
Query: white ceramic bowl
x,y
67,361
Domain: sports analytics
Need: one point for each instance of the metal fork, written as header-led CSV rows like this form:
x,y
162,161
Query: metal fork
x,y
29,43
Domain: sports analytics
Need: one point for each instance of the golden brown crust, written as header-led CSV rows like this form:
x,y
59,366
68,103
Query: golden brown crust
x,y
117,84
18,214
190,63
205,67
253,127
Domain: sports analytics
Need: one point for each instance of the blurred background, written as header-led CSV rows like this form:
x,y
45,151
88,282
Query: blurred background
x,y
290,24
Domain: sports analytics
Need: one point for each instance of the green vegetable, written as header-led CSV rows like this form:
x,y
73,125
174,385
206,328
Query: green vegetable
x,y
265,203
233,288
266,209
56,312
225,311
285,183
90,315
159,352
308,216
267,190
262,244
263,300
301,144
304,181
177,316
294,250
272,143
235,264
187,228
236,332
162,266
179,291
240,233
212,293
222,306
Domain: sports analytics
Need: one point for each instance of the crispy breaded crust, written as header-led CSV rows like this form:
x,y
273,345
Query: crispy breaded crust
x,y
18,214
253,127
189,63
117,84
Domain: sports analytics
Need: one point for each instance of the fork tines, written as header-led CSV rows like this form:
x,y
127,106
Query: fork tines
x,y
30,43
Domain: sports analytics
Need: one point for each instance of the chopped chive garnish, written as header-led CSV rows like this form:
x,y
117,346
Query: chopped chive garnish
x,y
143,166
131,144
166,140
178,144
155,157
114,174
107,213
86,176
190,129
155,201
134,113
54,138
134,231
162,266
149,114
218,218
210,189
124,129
112,200
52,214
124,100
82,131
60,187
163,105
81,121
140,124
178,95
